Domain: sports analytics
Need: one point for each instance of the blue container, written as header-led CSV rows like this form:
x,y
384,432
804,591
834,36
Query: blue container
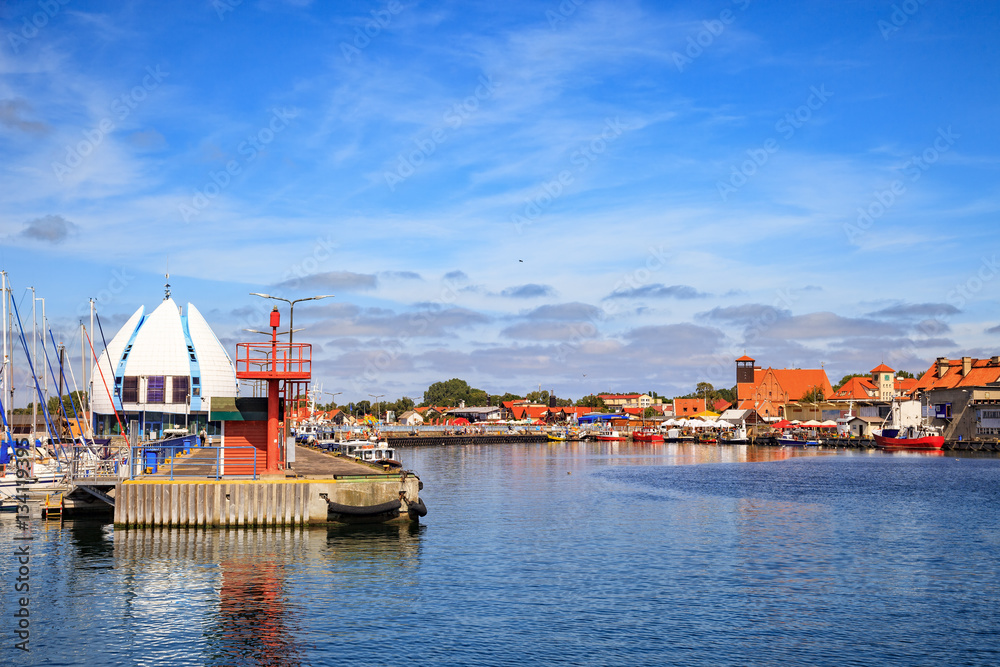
x,y
152,460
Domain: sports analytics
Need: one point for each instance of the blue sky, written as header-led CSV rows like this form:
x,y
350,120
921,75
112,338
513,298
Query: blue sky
x,y
583,196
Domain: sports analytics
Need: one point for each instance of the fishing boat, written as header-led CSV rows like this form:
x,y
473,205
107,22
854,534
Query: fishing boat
x,y
646,434
736,437
557,436
893,435
912,437
610,435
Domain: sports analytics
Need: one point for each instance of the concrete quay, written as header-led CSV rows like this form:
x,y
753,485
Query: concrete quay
x,y
319,488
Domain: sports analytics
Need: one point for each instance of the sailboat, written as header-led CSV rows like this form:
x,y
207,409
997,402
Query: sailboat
x,y
24,467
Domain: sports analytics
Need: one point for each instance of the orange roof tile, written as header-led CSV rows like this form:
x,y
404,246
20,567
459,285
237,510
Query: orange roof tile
x,y
796,382
882,368
981,373
858,388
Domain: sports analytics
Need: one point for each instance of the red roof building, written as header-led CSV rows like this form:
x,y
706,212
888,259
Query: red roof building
x,y
767,390
883,385
688,406
960,373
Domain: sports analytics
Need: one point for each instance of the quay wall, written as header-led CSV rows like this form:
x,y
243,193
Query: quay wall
x,y
444,439
438,439
144,503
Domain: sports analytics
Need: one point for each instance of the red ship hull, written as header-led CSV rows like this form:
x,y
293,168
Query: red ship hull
x,y
926,442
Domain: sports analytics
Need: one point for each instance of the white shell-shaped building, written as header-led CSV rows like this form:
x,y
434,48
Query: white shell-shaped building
x,y
161,369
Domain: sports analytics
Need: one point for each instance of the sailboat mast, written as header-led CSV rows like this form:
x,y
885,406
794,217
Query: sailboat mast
x,y
45,327
93,363
34,365
5,366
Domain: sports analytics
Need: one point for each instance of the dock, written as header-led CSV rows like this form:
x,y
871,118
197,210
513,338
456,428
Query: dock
x,y
310,492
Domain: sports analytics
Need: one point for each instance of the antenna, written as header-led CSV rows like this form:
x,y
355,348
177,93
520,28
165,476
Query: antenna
x,y
166,286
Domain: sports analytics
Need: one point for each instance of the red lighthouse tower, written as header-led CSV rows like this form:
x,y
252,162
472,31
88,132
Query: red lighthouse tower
x,y
287,370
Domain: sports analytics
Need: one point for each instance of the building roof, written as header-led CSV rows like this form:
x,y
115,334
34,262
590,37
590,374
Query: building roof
x,y
982,372
857,388
157,344
529,411
796,382
475,410
720,405
688,405
746,358
882,368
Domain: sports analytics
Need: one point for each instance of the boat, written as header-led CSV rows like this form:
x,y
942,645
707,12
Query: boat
x,y
677,435
372,450
794,441
610,435
46,475
556,436
737,436
912,437
647,435
920,436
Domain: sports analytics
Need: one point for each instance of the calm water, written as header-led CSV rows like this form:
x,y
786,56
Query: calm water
x,y
564,553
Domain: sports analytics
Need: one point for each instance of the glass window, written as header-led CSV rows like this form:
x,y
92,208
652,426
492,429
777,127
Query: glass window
x,y
130,389
154,389
179,389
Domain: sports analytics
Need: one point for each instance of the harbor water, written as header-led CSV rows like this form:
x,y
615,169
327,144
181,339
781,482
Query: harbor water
x,y
559,553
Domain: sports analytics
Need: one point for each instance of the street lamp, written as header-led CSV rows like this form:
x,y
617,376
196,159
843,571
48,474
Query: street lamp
x,y
331,394
376,397
291,307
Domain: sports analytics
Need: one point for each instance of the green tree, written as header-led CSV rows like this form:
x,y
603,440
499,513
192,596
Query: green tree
x,y
727,394
477,398
593,402
538,396
498,400
904,375
650,412
450,392
401,405
814,395
72,401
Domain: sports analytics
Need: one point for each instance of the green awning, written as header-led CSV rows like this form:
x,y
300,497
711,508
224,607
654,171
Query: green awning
x,y
232,409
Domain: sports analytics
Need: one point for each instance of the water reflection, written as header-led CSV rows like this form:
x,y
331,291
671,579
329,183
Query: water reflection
x,y
253,625
257,597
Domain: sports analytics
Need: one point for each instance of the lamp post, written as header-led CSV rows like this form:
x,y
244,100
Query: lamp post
x,y
331,394
291,308
376,397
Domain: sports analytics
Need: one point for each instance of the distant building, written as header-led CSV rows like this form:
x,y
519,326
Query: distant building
x,y
411,418
688,406
475,414
883,385
628,400
160,370
768,390
962,396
